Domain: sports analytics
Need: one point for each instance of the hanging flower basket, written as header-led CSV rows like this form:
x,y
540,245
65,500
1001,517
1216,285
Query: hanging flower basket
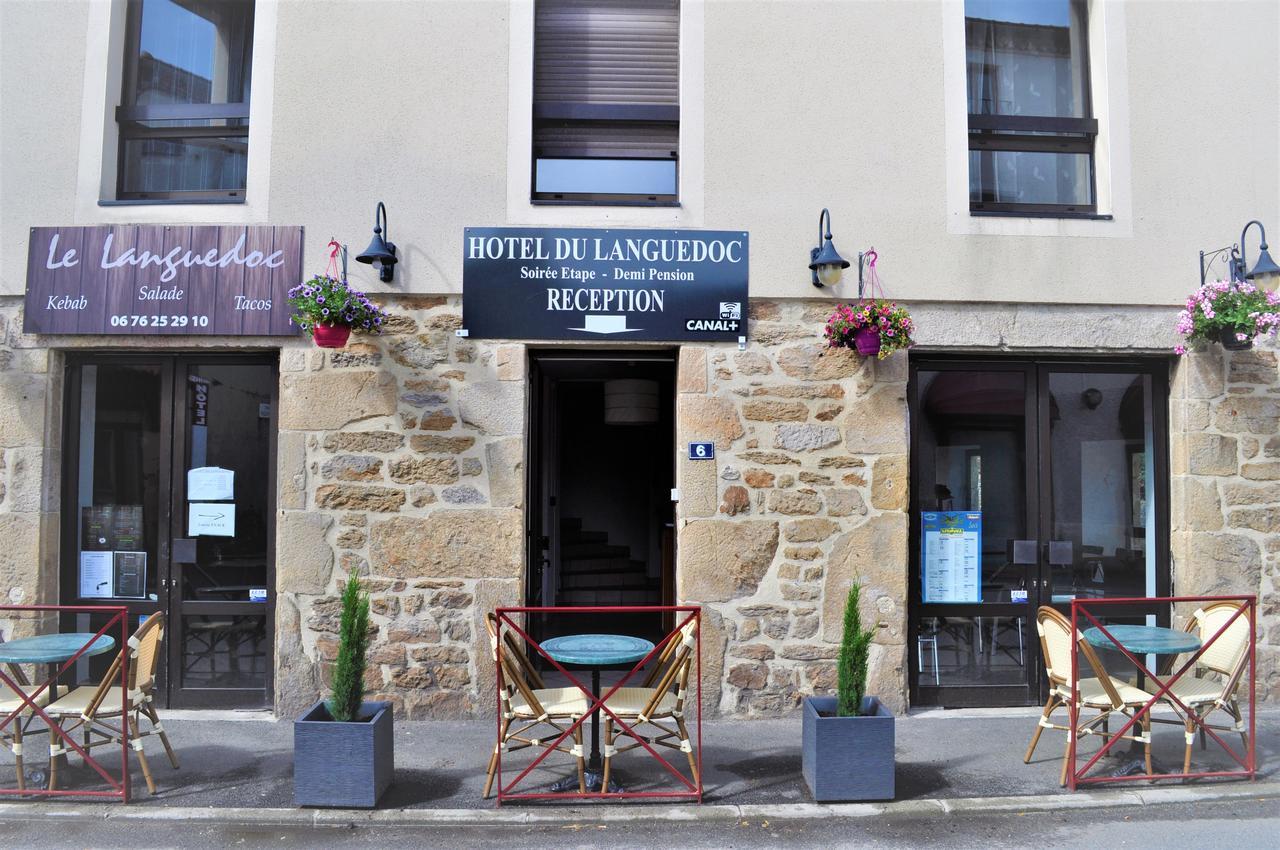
x,y
331,336
329,311
873,327
1233,313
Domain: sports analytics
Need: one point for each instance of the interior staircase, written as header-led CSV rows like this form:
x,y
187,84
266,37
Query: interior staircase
x,y
596,572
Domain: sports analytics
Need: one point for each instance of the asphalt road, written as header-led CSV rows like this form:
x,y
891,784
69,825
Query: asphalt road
x,y
1238,825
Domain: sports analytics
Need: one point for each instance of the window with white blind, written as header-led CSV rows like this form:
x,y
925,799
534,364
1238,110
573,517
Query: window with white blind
x,y
606,101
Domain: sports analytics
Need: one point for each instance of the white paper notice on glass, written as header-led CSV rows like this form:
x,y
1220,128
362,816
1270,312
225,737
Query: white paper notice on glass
x,y
209,483
211,520
97,575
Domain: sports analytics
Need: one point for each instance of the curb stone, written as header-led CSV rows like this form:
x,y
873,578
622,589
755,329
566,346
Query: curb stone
x,y
672,813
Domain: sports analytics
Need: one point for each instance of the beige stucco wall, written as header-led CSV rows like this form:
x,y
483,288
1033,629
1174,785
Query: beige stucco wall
x,y
840,105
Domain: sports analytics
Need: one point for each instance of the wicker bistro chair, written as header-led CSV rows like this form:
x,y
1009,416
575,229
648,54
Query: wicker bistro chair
x,y
11,735
656,701
92,709
1102,692
1216,679
528,703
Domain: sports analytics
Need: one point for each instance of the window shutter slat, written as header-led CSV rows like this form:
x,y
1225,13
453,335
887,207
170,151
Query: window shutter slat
x,y
607,51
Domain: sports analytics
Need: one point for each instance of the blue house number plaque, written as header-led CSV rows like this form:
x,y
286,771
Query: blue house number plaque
x,y
702,451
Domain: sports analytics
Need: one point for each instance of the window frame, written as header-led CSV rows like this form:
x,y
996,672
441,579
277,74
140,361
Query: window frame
x,y
130,120
1018,133
617,114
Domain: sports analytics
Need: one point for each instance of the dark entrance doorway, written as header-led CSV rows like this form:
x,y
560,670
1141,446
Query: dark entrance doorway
x,y
140,529
1062,466
601,469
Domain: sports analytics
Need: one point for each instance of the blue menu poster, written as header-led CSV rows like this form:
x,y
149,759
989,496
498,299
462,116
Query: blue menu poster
x,y
951,556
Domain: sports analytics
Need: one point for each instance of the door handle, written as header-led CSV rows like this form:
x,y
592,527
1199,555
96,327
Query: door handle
x,y
1058,553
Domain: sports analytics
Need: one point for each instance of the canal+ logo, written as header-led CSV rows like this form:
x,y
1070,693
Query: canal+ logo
x,y
730,319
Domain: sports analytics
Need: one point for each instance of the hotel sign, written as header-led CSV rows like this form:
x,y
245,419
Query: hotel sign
x,y
581,284
162,279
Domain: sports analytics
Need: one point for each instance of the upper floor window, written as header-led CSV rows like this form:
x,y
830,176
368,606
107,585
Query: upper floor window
x,y
184,113
606,101
1031,130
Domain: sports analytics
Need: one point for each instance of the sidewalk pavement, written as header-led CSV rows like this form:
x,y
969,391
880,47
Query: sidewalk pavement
x,y
239,765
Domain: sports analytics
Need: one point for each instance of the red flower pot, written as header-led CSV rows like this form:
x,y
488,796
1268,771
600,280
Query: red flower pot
x,y
331,336
867,342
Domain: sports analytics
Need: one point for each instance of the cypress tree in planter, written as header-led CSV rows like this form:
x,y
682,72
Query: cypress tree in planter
x,y
847,749
343,748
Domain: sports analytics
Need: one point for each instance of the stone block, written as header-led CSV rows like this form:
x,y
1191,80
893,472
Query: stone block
x,y
26,491
809,530
703,418
844,503
505,459
1268,471
358,497
699,487
291,470
1248,414
1219,564
1266,520
1211,454
805,438
724,559
794,502
770,458
890,483
304,558
352,468
875,555
1204,373
421,351
877,424
814,362
296,681
327,401
510,362
736,501
424,470
22,398
692,371
495,407
1251,494
775,411
431,444
758,478
363,441
1254,366
800,391
752,363
1196,506
449,544
437,420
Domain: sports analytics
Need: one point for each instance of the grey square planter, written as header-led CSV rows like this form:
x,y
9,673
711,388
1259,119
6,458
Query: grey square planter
x,y
347,765
847,758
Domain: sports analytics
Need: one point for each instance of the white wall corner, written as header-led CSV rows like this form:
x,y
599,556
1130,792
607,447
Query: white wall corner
x,y
689,213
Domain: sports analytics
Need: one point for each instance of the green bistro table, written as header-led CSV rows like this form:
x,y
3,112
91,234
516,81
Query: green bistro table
x,y
595,651
1142,640
51,650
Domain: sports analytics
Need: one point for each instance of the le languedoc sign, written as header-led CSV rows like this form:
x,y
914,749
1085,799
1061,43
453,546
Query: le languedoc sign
x,y
571,283
162,279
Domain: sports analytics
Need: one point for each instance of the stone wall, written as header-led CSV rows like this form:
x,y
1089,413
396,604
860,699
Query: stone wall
x,y
401,459
1225,441
807,493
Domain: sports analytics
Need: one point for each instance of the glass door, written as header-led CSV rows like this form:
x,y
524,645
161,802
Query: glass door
x,y
168,491
221,594
976,572
1032,484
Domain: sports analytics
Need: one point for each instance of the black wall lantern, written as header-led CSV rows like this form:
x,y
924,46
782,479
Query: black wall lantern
x,y
824,261
1265,274
381,254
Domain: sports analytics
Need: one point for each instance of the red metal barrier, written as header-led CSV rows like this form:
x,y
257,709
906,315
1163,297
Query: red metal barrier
x,y
1162,690
692,790
28,702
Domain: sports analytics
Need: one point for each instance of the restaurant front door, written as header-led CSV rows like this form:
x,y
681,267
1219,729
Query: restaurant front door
x,y
1033,483
168,501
